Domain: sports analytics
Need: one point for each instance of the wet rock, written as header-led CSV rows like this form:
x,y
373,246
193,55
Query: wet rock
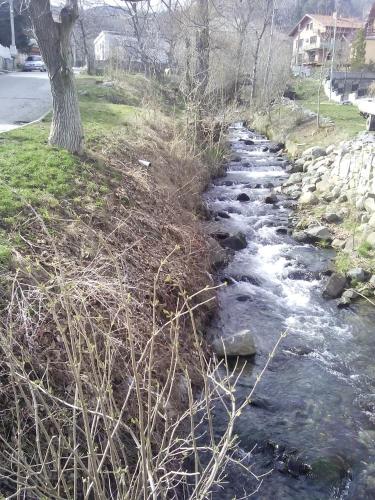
x,y
332,218
228,183
302,275
335,286
240,344
301,351
244,298
275,148
248,142
319,234
347,298
243,197
301,237
223,215
281,467
233,210
217,255
358,274
308,198
281,230
297,467
236,158
269,185
330,469
220,235
235,242
249,279
271,199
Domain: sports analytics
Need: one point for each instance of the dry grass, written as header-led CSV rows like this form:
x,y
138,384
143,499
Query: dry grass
x,y
105,380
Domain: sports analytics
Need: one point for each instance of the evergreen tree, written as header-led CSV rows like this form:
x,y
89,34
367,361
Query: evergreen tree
x,y
358,60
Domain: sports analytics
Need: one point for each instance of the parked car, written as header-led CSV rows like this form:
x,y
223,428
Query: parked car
x,y
34,63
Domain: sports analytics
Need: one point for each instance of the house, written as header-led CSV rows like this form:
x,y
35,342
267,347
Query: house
x,y
125,49
111,44
370,37
313,39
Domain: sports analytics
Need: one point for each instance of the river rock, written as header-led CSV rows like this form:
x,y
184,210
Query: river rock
x,y
338,244
236,158
314,152
248,142
239,344
217,255
335,286
301,237
370,204
223,215
370,238
332,218
308,198
235,242
358,274
319,234
271,199
371,221
293,179
347,297
243,197
275,148
372,281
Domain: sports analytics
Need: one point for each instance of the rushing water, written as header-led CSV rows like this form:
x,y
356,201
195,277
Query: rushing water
x,y
313,417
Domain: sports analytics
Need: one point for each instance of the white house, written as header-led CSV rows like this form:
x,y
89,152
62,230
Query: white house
x,y
109,44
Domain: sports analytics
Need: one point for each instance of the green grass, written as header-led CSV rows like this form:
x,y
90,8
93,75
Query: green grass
x,y
34,173
298,133
347,119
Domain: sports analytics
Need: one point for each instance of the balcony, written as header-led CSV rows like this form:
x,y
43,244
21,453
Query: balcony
x,y
318,44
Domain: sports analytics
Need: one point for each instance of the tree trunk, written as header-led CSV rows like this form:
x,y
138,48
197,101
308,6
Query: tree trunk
x,y
202,47
54,42
255,72
89,58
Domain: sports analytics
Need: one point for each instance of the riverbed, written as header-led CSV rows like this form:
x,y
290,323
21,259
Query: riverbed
x,y
312,421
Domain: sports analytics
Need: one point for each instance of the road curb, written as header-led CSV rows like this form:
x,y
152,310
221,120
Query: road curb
x,y
38,120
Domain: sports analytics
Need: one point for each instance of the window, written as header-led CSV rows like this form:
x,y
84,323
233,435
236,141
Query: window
x,y
300,43
34,58
313,40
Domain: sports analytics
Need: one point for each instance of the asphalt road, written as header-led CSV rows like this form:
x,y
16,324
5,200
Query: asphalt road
x,y
24,97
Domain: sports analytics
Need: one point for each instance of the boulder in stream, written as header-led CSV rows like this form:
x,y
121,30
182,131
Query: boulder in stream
x,y
235,242
275,148
243,197
271,199
335,286
239,344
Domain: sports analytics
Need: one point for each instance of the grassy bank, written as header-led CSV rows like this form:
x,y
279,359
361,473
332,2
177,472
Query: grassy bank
x,y
103,269
289,124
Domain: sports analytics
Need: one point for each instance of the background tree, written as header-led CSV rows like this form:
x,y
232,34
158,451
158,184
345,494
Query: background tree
x,y
359,50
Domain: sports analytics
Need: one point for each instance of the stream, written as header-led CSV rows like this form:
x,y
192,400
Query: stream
x,y
312,421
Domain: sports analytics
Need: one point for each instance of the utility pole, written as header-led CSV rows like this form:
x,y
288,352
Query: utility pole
x,y
333,52
13,48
